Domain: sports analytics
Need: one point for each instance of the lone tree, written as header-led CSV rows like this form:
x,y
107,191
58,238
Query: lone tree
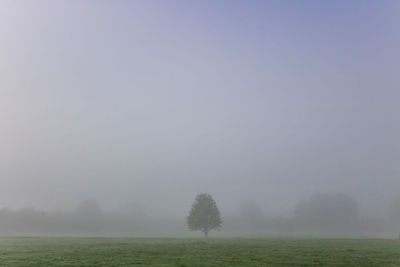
x,y
204,215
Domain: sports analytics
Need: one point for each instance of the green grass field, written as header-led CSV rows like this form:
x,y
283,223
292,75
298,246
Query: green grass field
x,y
28,251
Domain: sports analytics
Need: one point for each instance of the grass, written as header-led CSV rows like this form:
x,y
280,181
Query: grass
x,y
41,251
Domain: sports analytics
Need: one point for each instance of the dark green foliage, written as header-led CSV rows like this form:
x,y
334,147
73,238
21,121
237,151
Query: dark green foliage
x,y
204,215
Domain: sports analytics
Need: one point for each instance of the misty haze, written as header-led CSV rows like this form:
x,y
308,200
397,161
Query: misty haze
x,y
116,115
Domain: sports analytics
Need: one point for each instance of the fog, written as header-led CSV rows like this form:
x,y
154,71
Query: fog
x,y
114,115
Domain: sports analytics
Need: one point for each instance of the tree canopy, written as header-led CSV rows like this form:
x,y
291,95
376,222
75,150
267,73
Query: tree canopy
x,y
204,215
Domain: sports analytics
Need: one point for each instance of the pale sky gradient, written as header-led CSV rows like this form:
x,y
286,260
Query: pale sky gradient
x,y
156,101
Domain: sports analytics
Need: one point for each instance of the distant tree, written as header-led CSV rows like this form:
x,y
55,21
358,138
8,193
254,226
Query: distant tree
x,y
328,212
88,216
251,214
394,211
204,215
89,208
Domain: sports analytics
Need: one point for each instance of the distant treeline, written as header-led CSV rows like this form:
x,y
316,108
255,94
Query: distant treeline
x,y
323,214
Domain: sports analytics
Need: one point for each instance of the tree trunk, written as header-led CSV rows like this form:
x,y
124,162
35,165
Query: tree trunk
x,y
206,234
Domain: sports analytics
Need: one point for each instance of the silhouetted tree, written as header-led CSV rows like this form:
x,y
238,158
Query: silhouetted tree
x,y
204,215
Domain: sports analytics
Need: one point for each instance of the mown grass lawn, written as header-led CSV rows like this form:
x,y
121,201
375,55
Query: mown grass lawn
x,y
31,251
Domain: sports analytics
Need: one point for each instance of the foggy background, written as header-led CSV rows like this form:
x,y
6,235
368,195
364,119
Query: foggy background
x,y
115,114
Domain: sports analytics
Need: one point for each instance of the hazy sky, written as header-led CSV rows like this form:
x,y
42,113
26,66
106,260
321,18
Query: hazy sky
x,y
156,101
